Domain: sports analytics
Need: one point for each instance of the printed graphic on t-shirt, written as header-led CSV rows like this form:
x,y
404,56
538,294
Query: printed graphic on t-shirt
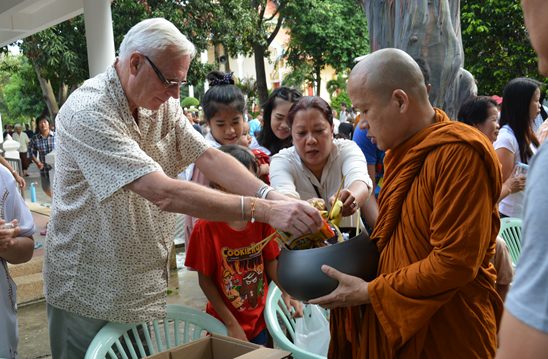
x,y
243,279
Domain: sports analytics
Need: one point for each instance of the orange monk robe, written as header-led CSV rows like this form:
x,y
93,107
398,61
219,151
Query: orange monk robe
x,y
434,296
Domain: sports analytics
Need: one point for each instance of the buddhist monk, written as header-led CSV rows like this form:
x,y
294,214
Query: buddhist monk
x,y
434,296
524,330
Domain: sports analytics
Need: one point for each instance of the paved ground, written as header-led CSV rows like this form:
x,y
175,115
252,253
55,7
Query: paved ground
x,y
33,331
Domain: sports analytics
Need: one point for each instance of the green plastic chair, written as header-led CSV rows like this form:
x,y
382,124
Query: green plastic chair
x,y
181,325
510,231
276,311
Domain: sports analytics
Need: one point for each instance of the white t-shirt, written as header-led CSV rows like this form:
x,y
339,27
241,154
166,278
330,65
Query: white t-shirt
x,y
511,205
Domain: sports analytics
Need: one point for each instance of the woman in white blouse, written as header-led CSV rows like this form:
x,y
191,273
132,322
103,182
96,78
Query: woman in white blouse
x,y
316,163
516,142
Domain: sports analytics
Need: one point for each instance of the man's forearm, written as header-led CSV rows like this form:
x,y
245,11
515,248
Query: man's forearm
x,y
227,172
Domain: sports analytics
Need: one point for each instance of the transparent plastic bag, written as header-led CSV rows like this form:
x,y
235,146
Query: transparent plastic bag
x,y
312,330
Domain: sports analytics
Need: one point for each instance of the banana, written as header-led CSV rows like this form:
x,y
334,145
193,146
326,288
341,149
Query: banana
x,y
336,212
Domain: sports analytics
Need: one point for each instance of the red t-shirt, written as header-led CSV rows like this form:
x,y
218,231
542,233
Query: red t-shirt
x,y
218,251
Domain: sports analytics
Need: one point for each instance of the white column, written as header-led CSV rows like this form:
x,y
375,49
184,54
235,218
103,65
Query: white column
x,y
190,91
240,66
99,35
203,60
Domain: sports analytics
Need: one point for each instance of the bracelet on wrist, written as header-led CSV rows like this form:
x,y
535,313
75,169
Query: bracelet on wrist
x,y
253,200
263,191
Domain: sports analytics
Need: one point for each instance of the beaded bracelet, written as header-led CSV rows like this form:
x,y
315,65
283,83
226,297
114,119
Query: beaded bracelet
x,y
253,200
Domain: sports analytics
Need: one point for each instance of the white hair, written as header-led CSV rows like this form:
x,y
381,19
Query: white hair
x,y
155,35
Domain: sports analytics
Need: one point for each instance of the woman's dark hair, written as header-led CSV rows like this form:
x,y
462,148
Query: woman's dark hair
x,y
308,102
242,154
474,111
267,138
517,97
346,130
222,91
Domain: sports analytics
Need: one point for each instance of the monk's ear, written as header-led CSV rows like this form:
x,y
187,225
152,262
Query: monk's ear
x,y
401,99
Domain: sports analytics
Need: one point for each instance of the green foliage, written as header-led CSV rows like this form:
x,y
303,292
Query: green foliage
x,y
326,32
300,76
340,98
496,44
190,101
20,98
336,84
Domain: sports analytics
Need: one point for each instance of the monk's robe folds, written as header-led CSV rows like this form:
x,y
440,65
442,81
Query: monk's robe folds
x,y
434,296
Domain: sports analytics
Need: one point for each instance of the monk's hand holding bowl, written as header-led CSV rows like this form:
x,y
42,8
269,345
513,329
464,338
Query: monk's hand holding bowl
x,y
351,291
350,203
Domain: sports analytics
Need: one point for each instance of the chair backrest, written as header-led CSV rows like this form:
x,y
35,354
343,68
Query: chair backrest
x,y
181,325
283,336
510,231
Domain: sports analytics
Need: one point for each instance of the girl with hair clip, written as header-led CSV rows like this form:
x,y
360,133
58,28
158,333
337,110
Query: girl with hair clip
x,y
223,105
516,142
276,133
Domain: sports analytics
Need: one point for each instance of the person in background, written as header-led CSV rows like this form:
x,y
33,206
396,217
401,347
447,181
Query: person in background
x,y
30,133
123,139
42,143
256,124
481,112
232,272
276,133
23,139
16,246
524,329
8,130
263,160
434,295
344,115
516,143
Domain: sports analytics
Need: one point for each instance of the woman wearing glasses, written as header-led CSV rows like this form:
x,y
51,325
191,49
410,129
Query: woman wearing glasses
x,y
316,164
276,134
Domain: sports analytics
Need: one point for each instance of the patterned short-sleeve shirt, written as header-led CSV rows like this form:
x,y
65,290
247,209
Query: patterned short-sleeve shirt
x,y
107,247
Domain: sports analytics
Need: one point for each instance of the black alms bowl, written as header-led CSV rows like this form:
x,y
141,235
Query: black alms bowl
x,y
300,274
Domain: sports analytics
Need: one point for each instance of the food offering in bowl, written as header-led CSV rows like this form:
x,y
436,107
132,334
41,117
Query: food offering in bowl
x,y
300,274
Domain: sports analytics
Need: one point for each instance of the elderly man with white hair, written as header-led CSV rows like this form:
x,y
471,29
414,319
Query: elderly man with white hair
x,y
122,140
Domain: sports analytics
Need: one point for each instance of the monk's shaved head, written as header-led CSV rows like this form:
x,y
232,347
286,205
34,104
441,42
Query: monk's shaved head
x,y
386,70
388,88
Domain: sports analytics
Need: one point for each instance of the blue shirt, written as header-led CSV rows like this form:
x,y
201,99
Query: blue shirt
x,y
373,155
254,127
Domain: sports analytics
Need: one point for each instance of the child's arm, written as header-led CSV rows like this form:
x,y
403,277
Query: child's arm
x,y
272,272
210,290
13,248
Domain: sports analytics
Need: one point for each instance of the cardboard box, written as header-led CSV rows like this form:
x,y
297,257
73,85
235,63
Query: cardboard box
x,y
221,347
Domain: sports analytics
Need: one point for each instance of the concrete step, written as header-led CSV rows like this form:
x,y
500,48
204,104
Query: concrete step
x,y
30,288
31,267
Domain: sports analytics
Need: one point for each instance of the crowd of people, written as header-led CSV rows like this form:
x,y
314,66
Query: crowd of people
x,y
430,189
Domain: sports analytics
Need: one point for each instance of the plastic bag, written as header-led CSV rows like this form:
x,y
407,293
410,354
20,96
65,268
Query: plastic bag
x,y
312,331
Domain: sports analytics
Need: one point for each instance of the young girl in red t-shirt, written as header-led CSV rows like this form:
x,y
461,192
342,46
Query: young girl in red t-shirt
x,y
231,272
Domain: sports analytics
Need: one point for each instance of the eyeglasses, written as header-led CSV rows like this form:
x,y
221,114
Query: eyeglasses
x,y
167,83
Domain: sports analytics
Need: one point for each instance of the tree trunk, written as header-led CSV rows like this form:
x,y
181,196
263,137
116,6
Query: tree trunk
x,y
318,80
262,90
47,93
427,29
